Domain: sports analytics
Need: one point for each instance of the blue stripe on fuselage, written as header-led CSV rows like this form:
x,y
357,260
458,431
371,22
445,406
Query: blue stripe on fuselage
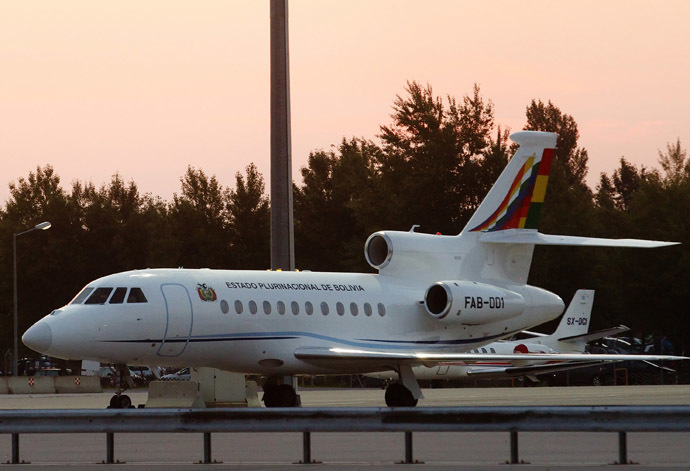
x,y
361,343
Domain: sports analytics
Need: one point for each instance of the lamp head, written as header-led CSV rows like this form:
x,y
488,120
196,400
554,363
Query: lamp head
x,y
43,226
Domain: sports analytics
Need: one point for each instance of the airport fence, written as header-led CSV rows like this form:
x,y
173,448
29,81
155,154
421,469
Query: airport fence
x,y
512,419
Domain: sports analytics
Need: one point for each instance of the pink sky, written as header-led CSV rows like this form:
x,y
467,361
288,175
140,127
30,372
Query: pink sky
x,y
147,88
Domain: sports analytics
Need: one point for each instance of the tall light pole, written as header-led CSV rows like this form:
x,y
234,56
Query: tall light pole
x,y
41,227
282,232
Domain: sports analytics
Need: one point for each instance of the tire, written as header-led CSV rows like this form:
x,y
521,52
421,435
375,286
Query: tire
x,y
398,395
282,395
287,397
125,402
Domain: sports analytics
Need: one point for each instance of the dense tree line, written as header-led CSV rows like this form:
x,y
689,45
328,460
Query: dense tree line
x,y
431,166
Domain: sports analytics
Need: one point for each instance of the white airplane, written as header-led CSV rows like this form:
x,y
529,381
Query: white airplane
x,y
571,336
434,299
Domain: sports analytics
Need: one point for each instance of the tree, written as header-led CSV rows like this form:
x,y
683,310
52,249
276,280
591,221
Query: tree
x,y
432,158
570,159
114,228
249,215
337,207
674,163
41,257
198,223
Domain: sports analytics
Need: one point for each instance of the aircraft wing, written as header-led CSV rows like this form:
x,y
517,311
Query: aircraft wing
x,y
599,334
526,236
542,368
336,355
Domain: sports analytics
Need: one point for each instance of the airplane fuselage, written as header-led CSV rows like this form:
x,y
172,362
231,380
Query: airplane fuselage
x,y
253,321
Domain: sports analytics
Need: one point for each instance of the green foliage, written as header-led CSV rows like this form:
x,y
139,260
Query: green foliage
x,y
339,205
433,165
248,213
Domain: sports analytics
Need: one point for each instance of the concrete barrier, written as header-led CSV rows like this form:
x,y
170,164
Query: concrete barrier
x,y
3,385
78,384
177,394
252,394
31,384
220,388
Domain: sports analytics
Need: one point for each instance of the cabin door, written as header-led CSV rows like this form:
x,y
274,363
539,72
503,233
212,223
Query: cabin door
x,y
178,308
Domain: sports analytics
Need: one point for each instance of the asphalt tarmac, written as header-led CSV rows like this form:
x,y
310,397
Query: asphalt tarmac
x,y
353,451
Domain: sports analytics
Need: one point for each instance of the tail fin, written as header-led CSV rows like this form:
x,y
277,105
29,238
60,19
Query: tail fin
x,y
569,335
514,202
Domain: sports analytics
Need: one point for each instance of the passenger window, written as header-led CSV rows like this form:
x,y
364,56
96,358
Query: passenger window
x,y
281,307
81,296
354,310
492,350
238,307
367,309
267,307
382,310
224,307
309,308
295,307
118,296
340,308
483,350
100,296
136,295
324,308
252,307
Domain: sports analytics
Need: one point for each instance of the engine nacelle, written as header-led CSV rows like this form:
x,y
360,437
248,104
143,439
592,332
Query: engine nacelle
x,y
472,303
413,255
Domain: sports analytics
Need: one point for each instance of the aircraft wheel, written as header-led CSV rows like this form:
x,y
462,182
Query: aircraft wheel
x,y
282,395
270,396
114,402
125,402
398,395
120,401
287,397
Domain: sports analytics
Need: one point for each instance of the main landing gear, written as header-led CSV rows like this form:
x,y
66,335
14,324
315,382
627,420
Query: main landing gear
x,y
406,392
123,381
398,395
280,392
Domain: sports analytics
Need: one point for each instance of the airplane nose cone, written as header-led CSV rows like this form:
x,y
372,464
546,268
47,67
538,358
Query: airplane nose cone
x,y
38,337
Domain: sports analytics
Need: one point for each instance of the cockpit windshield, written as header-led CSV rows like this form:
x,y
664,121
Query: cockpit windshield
x,y
91,295
136,295
82,295
100,296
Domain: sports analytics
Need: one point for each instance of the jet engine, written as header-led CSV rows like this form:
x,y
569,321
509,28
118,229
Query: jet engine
x,y
472,303
413,254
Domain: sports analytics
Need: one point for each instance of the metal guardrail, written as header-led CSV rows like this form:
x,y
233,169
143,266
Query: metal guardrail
x,y
620,419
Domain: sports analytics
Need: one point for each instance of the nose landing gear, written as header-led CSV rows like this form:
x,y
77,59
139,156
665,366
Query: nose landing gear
x,y
123,381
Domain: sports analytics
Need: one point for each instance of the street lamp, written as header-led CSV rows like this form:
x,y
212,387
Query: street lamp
x,y
40,227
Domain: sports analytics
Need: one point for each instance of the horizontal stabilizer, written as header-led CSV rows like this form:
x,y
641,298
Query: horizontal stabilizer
x,y
527,236
534,334
599,334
